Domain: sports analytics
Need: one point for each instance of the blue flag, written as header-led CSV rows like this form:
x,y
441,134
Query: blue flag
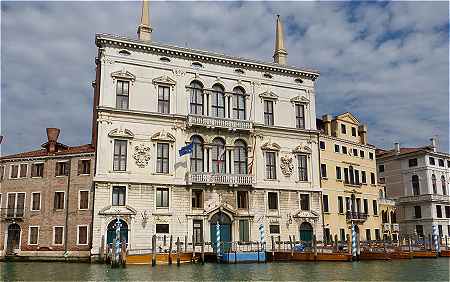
x,y
186,149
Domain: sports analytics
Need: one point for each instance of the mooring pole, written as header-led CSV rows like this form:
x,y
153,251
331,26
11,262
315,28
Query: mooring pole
x,y
178,251
153,250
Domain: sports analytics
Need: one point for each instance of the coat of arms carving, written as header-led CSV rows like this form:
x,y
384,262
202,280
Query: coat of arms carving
x,y
141,155
286,165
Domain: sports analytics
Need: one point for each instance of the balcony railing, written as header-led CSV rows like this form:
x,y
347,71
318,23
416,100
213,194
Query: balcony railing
x,y
356,216
425,198
386,227
220,178
395,227
12,213
214,122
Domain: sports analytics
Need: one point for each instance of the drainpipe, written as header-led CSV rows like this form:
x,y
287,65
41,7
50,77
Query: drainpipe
x,y
66,222
320,186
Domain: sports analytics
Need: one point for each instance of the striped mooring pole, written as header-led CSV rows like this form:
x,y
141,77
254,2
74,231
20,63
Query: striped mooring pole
x,y
261,234
218,238
436,239
353,241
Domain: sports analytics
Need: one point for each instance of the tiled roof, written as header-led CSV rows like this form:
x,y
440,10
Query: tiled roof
x,y
87,148
388,153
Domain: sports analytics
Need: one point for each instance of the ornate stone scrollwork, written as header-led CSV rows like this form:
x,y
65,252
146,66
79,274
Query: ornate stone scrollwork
x,y
286,165
141,155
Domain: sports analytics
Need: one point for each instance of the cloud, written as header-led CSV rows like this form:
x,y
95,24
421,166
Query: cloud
x,y
386,62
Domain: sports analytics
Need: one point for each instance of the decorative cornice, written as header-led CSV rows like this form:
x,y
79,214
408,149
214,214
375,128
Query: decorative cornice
x,y
103,40
302,149
300,100
122,74
121,133
268,95
164,80
270,146
163,136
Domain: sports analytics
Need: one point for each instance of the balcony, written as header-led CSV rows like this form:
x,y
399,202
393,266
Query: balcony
x,y
386,202
12,214
395,227
386,227
425,198
215,122
356,216
220,178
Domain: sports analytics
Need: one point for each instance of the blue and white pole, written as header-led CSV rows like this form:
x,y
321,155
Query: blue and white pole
x,y
436,238
118,243
218,238
353,241
261,235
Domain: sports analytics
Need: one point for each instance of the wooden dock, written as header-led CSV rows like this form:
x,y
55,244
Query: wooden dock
x,y
161,259
307,256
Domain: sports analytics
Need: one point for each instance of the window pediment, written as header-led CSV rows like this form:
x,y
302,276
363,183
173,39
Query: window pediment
x,y
268,95
300,100
270,146
163,136
123,74
302,149
166,80
121,133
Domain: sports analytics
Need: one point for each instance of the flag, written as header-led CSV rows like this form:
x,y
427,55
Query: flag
x,y
1,139
186,149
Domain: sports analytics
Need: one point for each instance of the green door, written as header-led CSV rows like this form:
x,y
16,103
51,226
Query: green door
x,y
306,232
225,231
111,233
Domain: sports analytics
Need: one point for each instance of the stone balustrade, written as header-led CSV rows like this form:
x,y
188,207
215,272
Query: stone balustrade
x,y
220,178
213,122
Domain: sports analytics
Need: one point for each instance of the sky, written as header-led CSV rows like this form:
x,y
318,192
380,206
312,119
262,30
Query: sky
x,y
388,63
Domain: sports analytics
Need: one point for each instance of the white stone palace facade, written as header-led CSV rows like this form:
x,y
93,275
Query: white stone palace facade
x,y
252,127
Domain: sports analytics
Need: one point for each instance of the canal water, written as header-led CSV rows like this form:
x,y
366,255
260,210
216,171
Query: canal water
x,y
397,270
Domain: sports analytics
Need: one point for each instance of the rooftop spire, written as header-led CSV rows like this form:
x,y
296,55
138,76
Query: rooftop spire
x,y
144,29
280,53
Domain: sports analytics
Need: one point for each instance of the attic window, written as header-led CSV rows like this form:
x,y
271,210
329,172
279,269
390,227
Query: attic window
x,y
164,59
267,75
197,65
124,52
298,80
239,71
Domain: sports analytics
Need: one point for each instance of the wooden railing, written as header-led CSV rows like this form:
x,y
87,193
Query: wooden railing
x,y
213,122
220,178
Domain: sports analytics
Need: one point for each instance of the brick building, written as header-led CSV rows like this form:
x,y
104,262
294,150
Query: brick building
x,y
46,200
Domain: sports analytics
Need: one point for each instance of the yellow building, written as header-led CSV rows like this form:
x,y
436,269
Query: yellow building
x,y
348,178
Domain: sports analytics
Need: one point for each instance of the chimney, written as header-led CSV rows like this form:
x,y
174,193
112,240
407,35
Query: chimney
x,y
433,144
327,124
397,147
144,29
280,53
362,129
52,136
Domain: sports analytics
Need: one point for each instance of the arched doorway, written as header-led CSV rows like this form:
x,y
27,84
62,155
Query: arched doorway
x,y
306,231
225,230
13,242
111,232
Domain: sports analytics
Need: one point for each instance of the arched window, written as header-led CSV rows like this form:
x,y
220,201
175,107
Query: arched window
x,y
415,185
218,101
433,183
384,217
240,157
218,155
239,103
196,98
197,154
393,217
444,185
111,232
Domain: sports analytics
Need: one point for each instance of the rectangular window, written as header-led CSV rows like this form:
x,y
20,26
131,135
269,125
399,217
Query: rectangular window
x,y
58,235
371,155
368,235
162,228
16,204
2,172
120,155
327,235
82,235
302,168
304,202
300,116
338,173
62,168
325,203
347,204
274,229
361,153
412,162
268,113
363,177
447,211
344,150
336,148
448,163
244,229
343,129
342,231
242,199
355,152
163,99
322,145
438,211
84,167
23,170
354,131
162,158
417,212
122,94
84,200
162,197
419,230
377,234
271,172
33,238
440,230
58,202
372,178
432,162
375,207
273,200
14,171
197,198
37,170
239,106
35,201
366,206
198,230
341,204
441,163
357,182
118,195
323,170
381,168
